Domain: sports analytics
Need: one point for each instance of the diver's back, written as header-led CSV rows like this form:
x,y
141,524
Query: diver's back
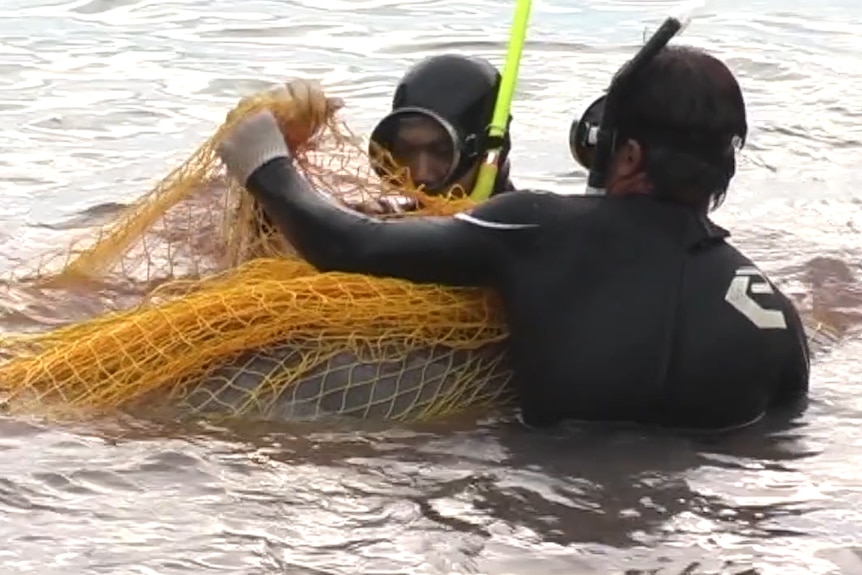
x,y
618,312
739,346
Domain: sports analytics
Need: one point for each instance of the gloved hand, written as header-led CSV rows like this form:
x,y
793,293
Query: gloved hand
x,y
309,108
253,142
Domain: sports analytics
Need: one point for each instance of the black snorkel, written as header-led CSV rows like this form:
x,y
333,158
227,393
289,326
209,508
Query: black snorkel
x,y
605,134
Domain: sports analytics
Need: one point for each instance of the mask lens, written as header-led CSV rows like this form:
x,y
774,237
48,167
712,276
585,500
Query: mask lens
x,y
418,141
583,133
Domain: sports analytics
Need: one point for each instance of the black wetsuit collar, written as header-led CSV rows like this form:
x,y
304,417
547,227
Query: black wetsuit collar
x,y
703,232
698,231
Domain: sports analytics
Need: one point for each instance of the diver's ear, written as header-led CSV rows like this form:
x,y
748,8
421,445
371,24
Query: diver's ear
x,y
629,158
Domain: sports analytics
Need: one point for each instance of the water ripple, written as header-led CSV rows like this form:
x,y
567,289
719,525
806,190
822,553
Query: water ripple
x,y
98,98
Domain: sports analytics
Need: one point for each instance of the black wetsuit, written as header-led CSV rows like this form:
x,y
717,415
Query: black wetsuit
x,y
619,308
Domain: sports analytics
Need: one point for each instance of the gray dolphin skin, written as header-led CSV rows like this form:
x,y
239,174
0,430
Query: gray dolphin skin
x,y
412,386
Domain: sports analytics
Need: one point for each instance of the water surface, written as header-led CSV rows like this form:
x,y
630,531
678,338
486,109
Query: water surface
x,y
99,99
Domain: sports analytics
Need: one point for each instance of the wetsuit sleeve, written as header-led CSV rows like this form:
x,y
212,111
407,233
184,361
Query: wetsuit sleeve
x,y
467,250
795,375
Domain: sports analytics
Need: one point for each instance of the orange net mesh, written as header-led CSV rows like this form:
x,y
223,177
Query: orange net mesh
x,y
190,301
194,302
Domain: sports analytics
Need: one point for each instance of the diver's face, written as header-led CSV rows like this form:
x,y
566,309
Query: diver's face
x,y
426,149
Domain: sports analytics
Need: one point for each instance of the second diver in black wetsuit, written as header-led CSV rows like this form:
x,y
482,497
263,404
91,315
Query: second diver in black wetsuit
x,y
437,128
630,305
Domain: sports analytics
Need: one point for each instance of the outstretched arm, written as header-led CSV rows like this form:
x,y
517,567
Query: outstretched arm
x,y
465,250
468,249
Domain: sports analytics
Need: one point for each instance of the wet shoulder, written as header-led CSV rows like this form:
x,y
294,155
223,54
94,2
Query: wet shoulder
x,y
632,219
518,207
721,272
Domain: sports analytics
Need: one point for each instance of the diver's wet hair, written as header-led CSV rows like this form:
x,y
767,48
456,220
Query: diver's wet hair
x,y
687,111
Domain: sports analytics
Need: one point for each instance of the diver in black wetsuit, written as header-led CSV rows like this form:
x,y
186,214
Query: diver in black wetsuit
x,y
624,306
437,130
441,109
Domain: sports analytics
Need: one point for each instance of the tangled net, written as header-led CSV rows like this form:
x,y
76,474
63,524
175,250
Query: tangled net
x,y
192,302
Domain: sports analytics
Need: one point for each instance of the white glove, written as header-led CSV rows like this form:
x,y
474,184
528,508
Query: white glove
x,y
254,141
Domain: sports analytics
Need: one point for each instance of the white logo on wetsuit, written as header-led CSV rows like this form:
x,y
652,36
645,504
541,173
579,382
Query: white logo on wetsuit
x,y
749,280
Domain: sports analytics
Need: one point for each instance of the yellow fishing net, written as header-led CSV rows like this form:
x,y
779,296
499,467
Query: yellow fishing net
x,y
190,300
